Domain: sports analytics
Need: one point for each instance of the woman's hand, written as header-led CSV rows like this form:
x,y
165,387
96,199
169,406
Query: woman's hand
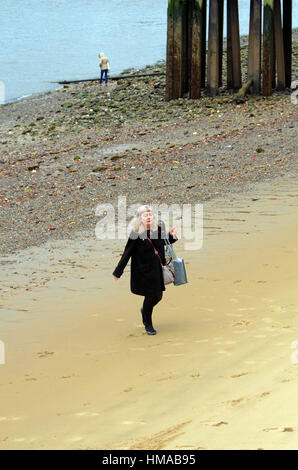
x,y
174,231
116,278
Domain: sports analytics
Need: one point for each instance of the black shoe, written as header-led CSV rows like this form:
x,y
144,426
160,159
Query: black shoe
x,y
149,328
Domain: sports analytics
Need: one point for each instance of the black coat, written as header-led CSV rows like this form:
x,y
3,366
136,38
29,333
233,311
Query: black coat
x,y
146,276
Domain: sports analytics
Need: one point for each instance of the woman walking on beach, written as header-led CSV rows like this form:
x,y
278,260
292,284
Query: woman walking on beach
x,y
146,277
104,67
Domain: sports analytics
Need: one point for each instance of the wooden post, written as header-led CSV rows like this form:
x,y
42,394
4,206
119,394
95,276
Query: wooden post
x,y
279,47
268,47
220,39
273,75
203,41
170,53
197,51
176,79
185,46
213,49
287,33
254,49
233,46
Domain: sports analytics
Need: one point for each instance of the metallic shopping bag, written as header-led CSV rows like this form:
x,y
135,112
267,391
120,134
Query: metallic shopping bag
x,y
179,272
177,264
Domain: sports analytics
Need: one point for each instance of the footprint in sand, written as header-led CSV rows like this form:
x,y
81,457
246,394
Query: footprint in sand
x,y
279,429
216,424
235,402
45,353
264,394
241,323
168,377
235,376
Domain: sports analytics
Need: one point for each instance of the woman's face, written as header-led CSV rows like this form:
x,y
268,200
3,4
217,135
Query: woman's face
x,y
147,218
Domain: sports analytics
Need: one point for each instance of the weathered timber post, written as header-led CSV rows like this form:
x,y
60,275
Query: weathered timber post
x,y
279,47
204,30
186,47
233,46
198,45
254,48
268,47
287,34
213,49
176,68
220,39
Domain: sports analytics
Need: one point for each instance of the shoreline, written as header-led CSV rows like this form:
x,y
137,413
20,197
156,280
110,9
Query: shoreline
x,y
243,45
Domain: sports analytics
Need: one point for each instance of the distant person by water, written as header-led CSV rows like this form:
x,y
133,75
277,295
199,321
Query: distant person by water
x,y
104,65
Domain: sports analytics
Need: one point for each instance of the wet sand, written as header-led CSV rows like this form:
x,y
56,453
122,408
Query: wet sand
x,y
80,372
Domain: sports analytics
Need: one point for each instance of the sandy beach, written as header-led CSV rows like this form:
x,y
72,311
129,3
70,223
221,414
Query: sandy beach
x,y
80,372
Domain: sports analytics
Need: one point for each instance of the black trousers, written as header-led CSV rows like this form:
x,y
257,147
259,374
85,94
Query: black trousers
x,y
148,304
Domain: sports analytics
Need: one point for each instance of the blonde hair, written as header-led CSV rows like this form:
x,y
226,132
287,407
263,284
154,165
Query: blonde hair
x,y
136,223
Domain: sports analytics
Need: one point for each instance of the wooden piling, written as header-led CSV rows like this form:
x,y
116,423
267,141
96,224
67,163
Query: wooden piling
x,y
198,44
287,35
176,81
220,39
279,47
170,53
268,47
233,46
254,48
213,49
203,41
